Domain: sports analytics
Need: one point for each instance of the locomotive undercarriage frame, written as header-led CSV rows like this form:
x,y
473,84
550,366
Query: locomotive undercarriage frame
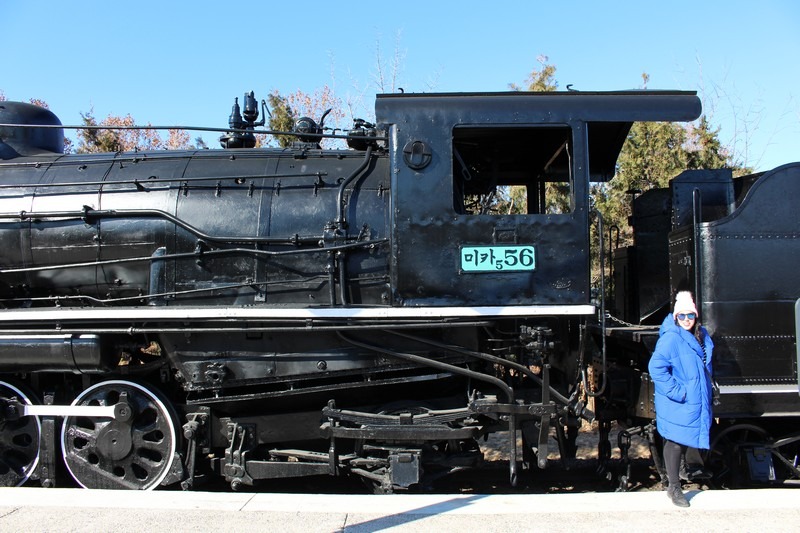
x,y
396,451
413,446
385,449
405,446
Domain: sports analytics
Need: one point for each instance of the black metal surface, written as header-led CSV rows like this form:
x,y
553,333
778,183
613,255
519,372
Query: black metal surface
x,y
715,187
114,210
219,233
753,321
433,231
15,142
52,353
47,469
650,272
182,217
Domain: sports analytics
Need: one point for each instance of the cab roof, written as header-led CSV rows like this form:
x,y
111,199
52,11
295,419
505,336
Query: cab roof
x,y
608,116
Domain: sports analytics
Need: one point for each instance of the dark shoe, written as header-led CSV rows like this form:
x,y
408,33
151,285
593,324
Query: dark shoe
x,y
677,497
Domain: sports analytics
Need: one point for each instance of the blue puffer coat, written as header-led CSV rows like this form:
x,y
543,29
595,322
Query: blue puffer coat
x,y
683,385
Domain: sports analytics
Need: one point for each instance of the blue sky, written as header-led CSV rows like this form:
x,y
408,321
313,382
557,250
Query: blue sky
x,y
182,63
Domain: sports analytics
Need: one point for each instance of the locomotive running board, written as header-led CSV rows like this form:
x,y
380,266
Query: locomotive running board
x,y
116,314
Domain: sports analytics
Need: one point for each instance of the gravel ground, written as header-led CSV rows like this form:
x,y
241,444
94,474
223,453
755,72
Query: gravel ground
x,y
497,446
578,475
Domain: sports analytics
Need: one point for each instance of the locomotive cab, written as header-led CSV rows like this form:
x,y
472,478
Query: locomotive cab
x,y
452,155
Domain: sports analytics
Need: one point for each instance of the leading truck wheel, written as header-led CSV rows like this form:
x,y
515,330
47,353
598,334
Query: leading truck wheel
x,y
19,440
135,450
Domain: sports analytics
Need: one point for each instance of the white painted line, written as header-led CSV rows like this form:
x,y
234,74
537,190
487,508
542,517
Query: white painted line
x,y
123,499
256,313
763,389
101,411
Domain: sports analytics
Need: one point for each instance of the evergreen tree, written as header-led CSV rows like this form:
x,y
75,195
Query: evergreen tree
x,y
704,149
281,119
541,80
653,154
514,199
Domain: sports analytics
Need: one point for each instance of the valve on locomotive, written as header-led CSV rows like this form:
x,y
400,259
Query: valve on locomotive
x,y
358,138
239,121
538,341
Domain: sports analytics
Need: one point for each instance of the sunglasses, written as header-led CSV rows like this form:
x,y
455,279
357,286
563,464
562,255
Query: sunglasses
x,y
684,316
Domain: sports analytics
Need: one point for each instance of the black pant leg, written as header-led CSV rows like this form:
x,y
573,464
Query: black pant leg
x,y
672,461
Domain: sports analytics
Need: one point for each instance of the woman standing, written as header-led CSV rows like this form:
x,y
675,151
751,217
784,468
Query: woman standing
x,y
681,371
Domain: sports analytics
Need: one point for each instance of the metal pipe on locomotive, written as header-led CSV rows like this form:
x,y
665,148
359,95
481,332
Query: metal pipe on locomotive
x,y
253,314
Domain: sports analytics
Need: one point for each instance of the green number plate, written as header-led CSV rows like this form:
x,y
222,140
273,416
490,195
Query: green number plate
x,y
497,258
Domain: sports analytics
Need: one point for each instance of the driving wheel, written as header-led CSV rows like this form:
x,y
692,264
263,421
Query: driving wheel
x,y
19,441
134,450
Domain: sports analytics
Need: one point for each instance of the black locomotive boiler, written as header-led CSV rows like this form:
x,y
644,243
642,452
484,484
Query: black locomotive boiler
x,y
248,314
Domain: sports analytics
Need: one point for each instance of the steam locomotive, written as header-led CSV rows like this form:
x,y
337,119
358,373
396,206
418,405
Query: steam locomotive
x,y
244,314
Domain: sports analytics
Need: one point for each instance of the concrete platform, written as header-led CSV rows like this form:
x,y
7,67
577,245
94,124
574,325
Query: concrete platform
x,y
36,509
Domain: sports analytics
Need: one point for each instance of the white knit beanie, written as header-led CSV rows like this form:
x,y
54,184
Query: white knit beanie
x,y
684,304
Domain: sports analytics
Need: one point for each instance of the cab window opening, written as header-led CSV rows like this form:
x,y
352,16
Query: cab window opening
x,y
512,170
